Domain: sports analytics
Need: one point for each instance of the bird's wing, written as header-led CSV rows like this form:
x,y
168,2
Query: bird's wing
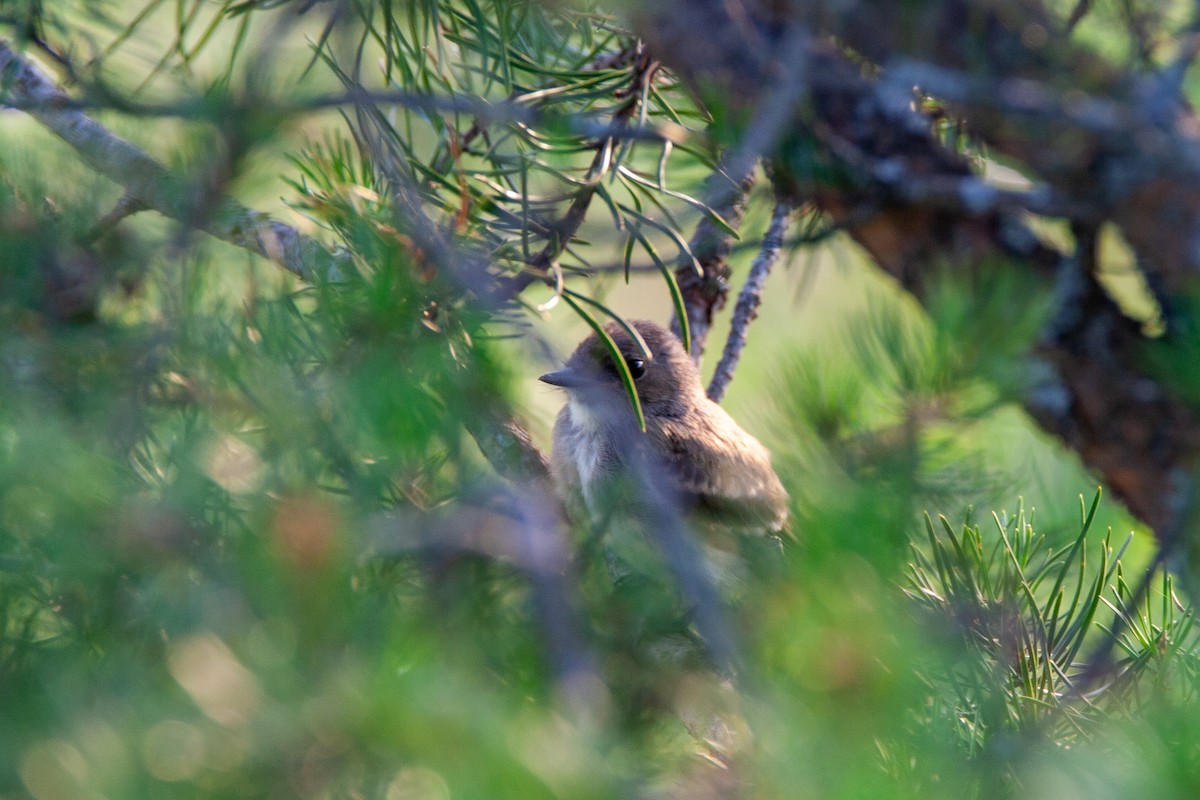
x,y
727,475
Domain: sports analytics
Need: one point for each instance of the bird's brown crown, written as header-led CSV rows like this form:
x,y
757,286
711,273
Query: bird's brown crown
x,y
667,380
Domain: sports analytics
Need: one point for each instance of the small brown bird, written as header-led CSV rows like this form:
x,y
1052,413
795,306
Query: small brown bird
x,y
712,468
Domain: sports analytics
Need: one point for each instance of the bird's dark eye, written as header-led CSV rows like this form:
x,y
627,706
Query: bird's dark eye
x,y
637,367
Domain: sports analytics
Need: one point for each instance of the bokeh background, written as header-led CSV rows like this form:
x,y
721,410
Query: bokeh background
x,y
249,543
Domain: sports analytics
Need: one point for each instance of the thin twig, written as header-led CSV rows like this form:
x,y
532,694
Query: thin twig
x,y
704,292
484,111
127,206
775,112
749,299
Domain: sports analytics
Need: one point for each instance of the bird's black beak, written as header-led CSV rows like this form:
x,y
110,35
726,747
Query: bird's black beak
x,y
566,377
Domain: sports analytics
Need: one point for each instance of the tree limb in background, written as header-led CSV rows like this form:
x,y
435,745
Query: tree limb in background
x,y
1122,143
149,183
748,301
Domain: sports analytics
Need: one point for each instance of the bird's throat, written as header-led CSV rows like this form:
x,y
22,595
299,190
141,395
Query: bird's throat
x,y
590,451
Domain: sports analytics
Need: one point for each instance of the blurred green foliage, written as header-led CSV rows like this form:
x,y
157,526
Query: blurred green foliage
x,y
231,508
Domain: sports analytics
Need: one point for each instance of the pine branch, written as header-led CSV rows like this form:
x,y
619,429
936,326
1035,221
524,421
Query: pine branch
x,y
705,294
543,265
148,184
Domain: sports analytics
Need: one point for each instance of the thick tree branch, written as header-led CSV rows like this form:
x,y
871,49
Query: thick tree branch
x,y
1123,144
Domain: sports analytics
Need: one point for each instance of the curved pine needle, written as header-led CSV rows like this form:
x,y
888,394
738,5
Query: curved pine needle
x,y
613,351
615,317
685,250
672,286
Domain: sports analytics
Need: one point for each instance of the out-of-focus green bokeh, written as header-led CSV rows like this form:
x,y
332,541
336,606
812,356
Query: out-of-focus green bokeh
x,y
241,553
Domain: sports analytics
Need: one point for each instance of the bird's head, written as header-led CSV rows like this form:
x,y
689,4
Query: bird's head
x,y
667,381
